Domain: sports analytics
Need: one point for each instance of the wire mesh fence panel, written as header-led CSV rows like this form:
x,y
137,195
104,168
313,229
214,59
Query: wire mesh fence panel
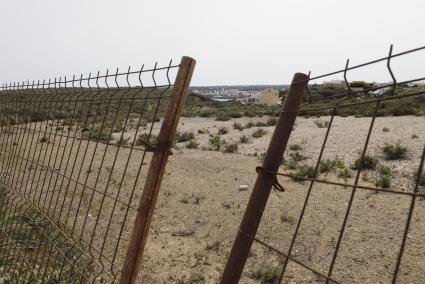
x,y
74,158
354,186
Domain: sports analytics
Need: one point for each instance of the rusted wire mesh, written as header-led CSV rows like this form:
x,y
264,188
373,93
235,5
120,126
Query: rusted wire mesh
x,y
324,224
74,155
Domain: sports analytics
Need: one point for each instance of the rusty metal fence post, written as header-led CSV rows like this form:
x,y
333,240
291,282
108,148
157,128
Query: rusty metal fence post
x,y
156,171
265,180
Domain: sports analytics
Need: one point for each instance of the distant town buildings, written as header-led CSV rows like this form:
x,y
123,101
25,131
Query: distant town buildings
x,y
272,94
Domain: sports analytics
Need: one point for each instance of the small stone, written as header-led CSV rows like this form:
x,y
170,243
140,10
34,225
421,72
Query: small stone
x,y
243,187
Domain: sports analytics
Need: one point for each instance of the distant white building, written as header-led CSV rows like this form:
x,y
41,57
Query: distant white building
x,y
269,97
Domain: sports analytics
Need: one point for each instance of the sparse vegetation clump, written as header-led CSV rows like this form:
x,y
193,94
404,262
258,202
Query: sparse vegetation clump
x,y
394,151
321,123
249,124
329,165
217,143
244,139
146,139
268,274
295,147
223,130
304,172
97,134
344,173
122,141
259,133
238,126
383,181
385,170
297,156
184,136
272,121
193,144
43,139
230,148
223,117
415,136
368,163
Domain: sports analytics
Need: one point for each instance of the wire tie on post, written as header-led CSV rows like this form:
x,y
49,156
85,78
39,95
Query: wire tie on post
x,y
276,185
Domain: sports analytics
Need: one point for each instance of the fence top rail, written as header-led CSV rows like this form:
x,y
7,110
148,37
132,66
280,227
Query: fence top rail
x,y
347,68
156,76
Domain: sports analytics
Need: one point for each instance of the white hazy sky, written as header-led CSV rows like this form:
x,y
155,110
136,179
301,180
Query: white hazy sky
x,y
233,41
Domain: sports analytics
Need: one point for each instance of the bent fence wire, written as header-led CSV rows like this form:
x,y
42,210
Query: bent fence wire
x,y
344,258
74,157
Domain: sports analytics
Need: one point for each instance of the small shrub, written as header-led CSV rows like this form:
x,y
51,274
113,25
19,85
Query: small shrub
x,y
272,121
385,129
223,130
394,151
385,170
261,124
97,135
285,218
216,142
344,173
250,124
222,117
383,181
328,165
192,144
304,172
231,148
207,113
43,139
146,140
122,141
322,123
415,136
235,114
259,133
297,156
197,279
367,163
291,164
365,176
268,274
244,139
249,113
184,137
238,126
325,166
295,147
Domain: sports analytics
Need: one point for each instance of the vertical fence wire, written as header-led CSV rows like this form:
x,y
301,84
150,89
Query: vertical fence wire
x,y
73,160
334,105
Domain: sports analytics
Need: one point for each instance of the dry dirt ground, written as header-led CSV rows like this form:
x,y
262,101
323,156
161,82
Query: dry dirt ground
x,y
200,199
200,205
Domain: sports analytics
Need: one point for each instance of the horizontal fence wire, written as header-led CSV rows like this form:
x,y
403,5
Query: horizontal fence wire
x,y
73,160
343,104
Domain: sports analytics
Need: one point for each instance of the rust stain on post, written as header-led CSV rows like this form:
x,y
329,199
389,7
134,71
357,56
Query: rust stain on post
x,y
156,170
260,194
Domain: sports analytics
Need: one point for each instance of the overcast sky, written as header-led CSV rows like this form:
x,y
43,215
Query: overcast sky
x,y
233,41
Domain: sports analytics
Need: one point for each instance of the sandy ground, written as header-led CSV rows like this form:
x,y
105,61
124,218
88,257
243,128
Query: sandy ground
x,y
200,205
201,195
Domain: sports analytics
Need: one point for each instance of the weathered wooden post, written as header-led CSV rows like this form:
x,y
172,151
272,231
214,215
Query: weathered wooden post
x,y
156,170
265,180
